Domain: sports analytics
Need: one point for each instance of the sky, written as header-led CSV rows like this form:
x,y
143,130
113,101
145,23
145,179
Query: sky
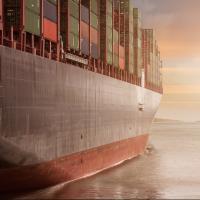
x,y
177,27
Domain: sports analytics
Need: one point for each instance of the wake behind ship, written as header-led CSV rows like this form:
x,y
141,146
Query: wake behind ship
x,y
80,83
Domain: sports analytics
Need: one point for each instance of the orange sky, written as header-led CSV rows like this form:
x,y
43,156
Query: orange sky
x,y
177,26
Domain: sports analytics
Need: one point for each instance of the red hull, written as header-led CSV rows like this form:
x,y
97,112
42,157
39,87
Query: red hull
x,y
71,167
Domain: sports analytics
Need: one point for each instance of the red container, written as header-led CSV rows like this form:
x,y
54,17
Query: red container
x,y
93,35
1,15
121,52
121,63
116,48
50,30
84,30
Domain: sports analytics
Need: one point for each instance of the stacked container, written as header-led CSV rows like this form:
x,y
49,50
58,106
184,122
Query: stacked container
x,y
69,24
151,59
12,15
116,29
50,19
94,28
106,31
85,27
37,17
146,53
32,17
129,45
122,37
137,42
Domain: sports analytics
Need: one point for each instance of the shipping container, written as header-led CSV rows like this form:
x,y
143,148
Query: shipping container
x,y
127,13
95,50
69,24
12,14
94,20
32,22
50,11
84,30
74,9
121,63
85,14
94,6
137,42
85,46
151,59
50,30
106,31
50,20
33,5
94,36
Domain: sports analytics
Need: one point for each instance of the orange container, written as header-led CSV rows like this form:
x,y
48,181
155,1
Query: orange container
x,y
121,63
50,30
116,48
121,52
84,30
94,35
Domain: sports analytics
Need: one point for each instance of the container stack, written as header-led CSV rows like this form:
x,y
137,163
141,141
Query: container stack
x,y
129,44
85,32
32,17
50,19
137,42
12,16
32,24
116,29
94,29
69,24
151,60
146,54
106,31
122,37
85,27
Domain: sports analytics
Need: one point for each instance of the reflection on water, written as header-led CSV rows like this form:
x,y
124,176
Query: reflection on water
x,y
170,169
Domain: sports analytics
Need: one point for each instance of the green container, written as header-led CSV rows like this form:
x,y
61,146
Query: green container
x,y
109,33
32,22
51,1
109,21
109,7
74,26
74,9
115,36
109,58
33,5
76,1
94,6
109,46
73,41
94,20
131,38
116,60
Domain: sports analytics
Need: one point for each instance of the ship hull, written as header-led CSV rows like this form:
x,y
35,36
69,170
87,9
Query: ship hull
x,y
71,167
59,122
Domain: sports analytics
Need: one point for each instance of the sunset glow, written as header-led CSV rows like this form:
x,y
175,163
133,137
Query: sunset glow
x,y
177,27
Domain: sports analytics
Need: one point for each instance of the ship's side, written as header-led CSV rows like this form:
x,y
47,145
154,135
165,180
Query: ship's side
x,y
59,122
80,83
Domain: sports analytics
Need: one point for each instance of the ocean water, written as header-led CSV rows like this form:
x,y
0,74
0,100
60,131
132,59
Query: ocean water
x,y
170,169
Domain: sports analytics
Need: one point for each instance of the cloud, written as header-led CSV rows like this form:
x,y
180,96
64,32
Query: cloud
x,y
177,27
176,24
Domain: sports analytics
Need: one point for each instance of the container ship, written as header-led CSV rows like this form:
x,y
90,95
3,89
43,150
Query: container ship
x,y
80,83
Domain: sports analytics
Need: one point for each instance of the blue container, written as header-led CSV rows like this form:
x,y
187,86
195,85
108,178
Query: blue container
x,y
94,51
84,14
85,46
50,11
